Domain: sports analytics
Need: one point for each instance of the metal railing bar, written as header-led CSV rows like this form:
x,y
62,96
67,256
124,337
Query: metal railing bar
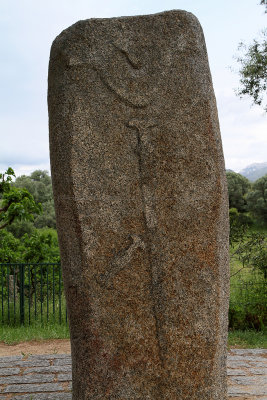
x,y
8,301
60,296
29,294
54,292
35,287
47,295
14,293
41,293
2,292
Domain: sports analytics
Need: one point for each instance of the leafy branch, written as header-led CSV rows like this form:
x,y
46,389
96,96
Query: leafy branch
x,y
15,203
253,69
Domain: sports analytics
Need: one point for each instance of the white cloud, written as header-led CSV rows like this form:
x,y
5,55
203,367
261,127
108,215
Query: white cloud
x,y
25,143
243,130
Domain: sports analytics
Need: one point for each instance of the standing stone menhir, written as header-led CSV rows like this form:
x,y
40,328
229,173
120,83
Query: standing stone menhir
x,y
141,204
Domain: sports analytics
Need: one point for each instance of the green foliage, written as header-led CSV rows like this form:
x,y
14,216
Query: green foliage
x,y
250,250
18,203
247,201
41,246
264,3
15,203
19,228
238,187
5,182
40,186
10,248
248,298
239,223
259,255
257,200
48,217
20,216
247,308
253,69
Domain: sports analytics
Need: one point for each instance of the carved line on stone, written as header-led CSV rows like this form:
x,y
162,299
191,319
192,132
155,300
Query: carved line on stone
x,y
120,262
135,64
141,126
132,60
119,95
150,221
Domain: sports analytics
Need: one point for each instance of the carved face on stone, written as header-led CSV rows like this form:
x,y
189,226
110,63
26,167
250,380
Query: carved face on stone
x,y
130,61
128,65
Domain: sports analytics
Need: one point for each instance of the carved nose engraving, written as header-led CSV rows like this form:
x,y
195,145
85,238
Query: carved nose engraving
x,y
131,58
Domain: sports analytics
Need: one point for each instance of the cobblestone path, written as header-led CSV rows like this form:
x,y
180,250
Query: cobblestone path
x,y
48,377
247,374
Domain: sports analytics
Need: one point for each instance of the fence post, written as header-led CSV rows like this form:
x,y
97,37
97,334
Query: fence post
x,y
21,293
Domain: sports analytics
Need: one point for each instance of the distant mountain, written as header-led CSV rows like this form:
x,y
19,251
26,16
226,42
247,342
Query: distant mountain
x,y
254,171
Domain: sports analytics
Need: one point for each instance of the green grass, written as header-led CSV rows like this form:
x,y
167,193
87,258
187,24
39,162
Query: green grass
x,y
36,331
12,335
12,332
248,339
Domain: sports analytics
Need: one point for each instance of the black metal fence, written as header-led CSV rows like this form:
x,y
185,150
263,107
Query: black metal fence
x,y
248,300
31,293
34,293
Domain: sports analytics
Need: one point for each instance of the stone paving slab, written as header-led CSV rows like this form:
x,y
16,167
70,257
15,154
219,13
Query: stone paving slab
x,y
51,369
247,374
44,396
48,377
29,378
31,388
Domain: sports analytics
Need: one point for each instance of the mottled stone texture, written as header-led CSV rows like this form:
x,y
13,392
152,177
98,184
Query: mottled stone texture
x,y
141,203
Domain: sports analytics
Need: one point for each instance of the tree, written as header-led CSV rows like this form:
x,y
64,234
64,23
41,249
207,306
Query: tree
x,y
238,187
15,203
264,2
239,223
41,246
48,217
10,248
257,199
251,252
253,68
20,209
253,71
40,186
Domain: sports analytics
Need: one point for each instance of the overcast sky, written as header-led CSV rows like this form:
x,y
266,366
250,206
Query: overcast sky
x,y
28,27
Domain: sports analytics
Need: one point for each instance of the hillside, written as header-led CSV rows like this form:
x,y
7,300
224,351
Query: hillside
x,y
254,171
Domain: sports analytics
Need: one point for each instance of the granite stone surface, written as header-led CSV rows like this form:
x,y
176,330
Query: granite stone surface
x,y
141,205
